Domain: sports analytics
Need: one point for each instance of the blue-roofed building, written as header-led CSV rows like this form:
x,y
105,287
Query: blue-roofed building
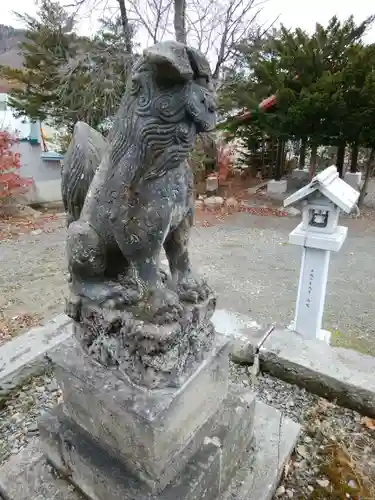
x,y
38,158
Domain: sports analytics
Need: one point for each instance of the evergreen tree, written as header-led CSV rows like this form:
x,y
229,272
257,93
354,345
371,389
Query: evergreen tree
x,y
67,77
329,103
49,43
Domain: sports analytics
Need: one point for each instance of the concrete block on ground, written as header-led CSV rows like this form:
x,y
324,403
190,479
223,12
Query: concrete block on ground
x,y
144,428
277,187
275,437
24,356
335,373
292,211
300,173
213,202
354,179
247,335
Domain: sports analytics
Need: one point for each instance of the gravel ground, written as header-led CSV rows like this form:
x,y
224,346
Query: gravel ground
x,y
19,414
311,472
247,261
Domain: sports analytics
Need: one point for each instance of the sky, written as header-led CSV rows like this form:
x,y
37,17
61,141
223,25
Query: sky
x,y
292,13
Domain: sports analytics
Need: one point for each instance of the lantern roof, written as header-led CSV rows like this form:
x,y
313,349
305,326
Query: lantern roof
x,y
329,184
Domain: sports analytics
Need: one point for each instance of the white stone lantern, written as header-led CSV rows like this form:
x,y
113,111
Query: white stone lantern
x,y
319,234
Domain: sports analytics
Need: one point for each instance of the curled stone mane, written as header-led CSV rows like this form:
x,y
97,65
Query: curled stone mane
x,y
152,117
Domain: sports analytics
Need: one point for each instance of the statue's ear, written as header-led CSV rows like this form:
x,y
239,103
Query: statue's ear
x,y
171,60
199,63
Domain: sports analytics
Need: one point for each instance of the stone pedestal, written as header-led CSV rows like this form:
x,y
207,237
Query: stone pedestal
x,y
112,439
317,248
298,178
312,292
115,440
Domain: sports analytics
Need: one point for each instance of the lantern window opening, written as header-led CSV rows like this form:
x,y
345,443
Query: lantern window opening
x,y
318,217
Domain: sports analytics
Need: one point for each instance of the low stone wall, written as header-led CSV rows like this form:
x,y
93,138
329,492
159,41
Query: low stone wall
x,y
45,192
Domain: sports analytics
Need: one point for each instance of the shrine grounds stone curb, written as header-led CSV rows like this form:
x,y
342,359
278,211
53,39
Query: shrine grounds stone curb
x,y
337,374
25,356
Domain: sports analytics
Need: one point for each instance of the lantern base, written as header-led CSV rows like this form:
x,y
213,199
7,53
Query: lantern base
x,y
321,241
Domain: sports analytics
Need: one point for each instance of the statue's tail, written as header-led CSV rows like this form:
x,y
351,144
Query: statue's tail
x,y
81,160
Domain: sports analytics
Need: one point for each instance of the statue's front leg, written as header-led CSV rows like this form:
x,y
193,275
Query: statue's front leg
x,y
141,241
189,287
88,279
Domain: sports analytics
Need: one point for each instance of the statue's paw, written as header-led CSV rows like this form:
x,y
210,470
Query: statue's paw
x,y
133,289
119,296
73,305
163,305
191,289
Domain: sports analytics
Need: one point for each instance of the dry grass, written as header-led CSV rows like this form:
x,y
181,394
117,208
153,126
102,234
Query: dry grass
x,y
17,219
347,459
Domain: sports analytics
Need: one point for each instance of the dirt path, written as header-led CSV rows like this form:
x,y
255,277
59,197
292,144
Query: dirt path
x,y
32,277
246,259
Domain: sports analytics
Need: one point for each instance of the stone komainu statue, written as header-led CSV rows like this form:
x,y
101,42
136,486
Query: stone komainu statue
x,y
129,196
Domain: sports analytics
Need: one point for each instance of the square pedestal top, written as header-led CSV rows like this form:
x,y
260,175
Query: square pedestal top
x,y
146,429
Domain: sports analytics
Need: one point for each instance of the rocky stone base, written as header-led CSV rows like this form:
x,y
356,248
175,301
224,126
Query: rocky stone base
x,y
142,350
27,476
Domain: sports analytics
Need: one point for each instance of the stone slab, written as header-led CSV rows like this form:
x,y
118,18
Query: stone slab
x,y
145,428
101,476
27,476
275,437
24,356
247,335
335,373
257,479
277,187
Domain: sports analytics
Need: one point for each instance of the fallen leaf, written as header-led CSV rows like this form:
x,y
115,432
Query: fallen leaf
x,y
368,422
323,483
302,451
287,468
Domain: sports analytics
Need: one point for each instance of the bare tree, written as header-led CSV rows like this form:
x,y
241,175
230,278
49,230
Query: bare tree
x,y
180,20
215,27
102,8
151,17
126,27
